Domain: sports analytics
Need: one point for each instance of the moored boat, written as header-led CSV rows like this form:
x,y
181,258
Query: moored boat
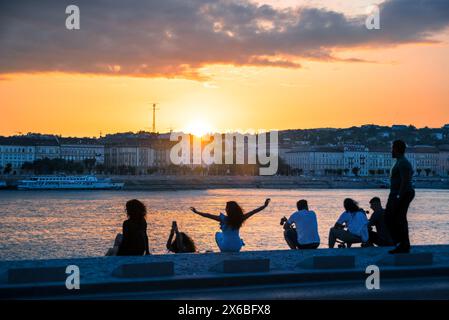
x,y
62,182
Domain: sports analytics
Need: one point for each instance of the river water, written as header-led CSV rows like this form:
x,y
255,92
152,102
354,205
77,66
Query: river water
x,y
63,224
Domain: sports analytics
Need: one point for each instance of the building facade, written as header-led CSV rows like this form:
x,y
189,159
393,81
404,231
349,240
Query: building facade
x,y
15,151
47,148
316,160
353,160
443,161
15,155
78,150
424,160
379,161
136,154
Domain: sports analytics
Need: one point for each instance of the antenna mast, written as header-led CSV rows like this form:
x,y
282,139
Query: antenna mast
x,y
154,116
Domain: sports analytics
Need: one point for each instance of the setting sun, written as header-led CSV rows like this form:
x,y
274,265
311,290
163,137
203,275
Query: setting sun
x,y
199,128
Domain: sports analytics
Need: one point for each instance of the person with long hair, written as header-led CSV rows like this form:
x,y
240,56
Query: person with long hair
x,y
351,227
135,239
228,240
182,243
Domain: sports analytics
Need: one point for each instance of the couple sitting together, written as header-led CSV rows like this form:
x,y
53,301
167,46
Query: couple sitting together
x,y
353,226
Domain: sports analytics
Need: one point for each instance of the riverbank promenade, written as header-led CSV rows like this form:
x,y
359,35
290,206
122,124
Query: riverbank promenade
x,y
280,274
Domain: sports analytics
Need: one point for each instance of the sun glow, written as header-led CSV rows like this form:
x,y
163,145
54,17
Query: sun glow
x,y
198,127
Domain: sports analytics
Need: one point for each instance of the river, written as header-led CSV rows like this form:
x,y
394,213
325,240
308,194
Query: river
x,y
65,224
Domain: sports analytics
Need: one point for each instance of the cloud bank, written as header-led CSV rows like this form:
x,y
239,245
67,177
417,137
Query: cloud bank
x,y
175,38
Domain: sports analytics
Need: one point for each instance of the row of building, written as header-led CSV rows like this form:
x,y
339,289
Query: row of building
x,y
154,152
15,151
137,153
363,161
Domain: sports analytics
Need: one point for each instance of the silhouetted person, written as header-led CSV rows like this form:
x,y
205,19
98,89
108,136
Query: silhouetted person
x,y
135,238
380,237
401,195
351,227
182,243
229,239
304,234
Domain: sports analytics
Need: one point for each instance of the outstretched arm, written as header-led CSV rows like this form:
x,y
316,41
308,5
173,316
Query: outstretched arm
x,y
205,215
253,212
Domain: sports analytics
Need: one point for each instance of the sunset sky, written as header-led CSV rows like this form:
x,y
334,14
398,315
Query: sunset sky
x,y
221,65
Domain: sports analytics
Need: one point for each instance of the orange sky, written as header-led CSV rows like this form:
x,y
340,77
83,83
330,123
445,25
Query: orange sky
x,y
408,84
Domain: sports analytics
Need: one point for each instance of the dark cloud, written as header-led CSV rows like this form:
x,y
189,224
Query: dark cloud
x,y
174,38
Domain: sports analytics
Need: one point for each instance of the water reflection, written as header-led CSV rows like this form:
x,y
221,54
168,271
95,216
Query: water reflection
x,y
36,225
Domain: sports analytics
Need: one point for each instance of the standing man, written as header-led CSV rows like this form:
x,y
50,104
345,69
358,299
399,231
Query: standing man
x,y
401,195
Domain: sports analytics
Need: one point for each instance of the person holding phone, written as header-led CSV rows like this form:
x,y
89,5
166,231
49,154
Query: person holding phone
x,y
301,229
182,243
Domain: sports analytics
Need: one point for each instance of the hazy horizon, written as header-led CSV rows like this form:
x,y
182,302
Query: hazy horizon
x,y
221,132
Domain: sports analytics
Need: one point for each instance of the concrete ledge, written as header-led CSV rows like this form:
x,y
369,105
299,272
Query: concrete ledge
x,y
192,271
145,270
242,266
407,259
97,289
36,275
328,262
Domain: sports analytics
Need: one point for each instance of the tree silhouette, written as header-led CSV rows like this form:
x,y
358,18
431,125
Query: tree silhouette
x,y
7,169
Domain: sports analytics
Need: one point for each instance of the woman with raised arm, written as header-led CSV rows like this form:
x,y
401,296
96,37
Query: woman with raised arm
x,y
229,239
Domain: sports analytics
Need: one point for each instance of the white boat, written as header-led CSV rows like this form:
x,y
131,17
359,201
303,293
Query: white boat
x,y
63,182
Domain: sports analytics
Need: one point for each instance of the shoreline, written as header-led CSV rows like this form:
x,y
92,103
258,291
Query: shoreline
x,y
193,182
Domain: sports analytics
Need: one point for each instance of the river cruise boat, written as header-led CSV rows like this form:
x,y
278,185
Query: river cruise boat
x,y
68,183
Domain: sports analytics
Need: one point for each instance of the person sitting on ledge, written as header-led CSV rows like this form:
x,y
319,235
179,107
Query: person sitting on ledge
x,y
182,243
135,239
380,237
229,239
305,233
113,251
356,223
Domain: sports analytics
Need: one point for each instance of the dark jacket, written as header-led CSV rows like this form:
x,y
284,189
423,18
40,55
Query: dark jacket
x,y
377,220
401,177
135,239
